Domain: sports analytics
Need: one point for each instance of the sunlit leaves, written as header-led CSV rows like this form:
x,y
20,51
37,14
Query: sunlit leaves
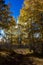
x,y
32,10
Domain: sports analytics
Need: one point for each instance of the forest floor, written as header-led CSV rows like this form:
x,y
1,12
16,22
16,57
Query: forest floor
x,y
13,58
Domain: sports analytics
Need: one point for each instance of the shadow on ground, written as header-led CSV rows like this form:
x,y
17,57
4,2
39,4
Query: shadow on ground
x,y
18,59
15,59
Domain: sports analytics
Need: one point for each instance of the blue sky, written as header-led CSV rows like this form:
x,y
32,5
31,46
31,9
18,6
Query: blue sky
x,y
15,6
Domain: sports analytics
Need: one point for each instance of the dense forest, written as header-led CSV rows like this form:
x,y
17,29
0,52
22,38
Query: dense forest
x,y
22,42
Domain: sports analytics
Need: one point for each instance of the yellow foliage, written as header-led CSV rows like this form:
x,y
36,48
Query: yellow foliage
x,y
31,13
